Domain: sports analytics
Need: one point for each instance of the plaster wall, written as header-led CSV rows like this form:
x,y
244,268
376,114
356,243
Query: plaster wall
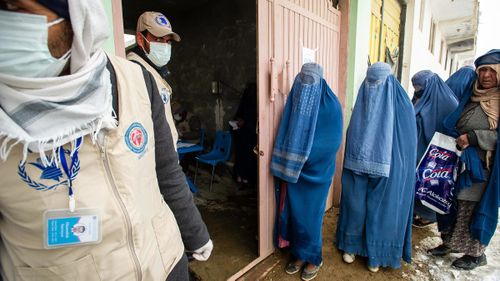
x,y
109,44
359,44
417,55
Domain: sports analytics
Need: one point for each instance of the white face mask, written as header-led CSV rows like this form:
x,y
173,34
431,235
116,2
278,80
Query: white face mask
x,y
24,50
159,53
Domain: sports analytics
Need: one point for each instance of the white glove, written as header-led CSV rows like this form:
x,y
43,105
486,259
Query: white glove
x,y
203,253
234,124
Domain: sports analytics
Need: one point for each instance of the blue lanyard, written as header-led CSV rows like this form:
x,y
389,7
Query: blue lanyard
x,y
71,171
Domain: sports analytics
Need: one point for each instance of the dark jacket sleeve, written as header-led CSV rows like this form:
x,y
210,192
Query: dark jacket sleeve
x,y
171,178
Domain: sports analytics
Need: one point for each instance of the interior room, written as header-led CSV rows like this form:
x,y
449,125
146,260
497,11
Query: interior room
x,y
211,68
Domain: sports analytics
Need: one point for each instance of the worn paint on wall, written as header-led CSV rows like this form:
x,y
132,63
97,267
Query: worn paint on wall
x,y
219,114
390,29
218,44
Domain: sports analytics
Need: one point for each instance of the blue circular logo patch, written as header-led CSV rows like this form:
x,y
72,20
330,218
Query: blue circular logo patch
x,y
164,95
136,138
162,20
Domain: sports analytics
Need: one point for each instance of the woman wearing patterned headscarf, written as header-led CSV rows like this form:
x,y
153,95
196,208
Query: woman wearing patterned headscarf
x,y
378,179
475,125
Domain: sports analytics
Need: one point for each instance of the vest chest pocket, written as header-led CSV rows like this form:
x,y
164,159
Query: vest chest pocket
x,y
80,270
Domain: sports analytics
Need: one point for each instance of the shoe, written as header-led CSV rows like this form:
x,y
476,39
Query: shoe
x,y
348,258
421,223
293,267
469,262
373,269
439,251
310,274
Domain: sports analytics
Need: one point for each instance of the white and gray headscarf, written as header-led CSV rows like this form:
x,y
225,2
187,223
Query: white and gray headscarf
x,y
44,113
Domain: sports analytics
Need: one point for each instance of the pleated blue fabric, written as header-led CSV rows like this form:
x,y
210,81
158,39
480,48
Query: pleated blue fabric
x,y
462,81
376,211
301,205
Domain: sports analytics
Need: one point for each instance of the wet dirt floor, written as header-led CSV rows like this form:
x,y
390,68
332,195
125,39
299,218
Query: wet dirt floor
x,y
334,268
230,212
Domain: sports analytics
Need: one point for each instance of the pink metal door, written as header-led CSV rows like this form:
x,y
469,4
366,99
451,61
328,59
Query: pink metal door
x,y
285,29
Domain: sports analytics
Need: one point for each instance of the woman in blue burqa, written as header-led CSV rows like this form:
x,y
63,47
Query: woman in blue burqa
x,y
433,101
378,179
462,81
303,163
474,124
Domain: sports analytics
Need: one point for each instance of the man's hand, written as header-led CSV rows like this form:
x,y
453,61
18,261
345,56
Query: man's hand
x,y
463,141
241,122
203,253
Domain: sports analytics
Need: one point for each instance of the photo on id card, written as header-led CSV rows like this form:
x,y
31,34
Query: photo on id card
x,y
63,228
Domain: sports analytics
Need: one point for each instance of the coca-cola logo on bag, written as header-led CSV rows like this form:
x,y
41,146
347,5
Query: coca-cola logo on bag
x,y
440,154
436,176
429,174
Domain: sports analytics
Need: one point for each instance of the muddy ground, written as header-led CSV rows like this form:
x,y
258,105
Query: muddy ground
x,y
230,212
335,269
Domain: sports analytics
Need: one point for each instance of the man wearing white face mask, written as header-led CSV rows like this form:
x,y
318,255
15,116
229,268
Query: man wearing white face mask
x,y
154,38
84,140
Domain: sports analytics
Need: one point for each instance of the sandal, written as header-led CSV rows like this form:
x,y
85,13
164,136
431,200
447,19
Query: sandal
x,y
310,274
294,266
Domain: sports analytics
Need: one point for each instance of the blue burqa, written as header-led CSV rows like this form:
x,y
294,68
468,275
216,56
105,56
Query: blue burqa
x,y
436,101
296,132
485,218
301,205
376,210
461,81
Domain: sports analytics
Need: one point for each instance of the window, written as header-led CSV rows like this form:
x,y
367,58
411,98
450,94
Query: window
x,y
422,14
441,51
446,60
432,36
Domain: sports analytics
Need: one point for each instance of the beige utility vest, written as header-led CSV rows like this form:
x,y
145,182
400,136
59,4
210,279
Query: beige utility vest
x,y
140,236
164,90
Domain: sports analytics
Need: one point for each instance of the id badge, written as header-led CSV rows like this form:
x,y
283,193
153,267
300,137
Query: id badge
x,y
63,228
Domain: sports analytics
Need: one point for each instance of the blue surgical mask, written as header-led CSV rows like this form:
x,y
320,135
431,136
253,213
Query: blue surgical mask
x,y
159,53
24,50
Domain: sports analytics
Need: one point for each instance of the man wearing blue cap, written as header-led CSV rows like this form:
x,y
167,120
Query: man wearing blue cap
x,y
475,125
84,141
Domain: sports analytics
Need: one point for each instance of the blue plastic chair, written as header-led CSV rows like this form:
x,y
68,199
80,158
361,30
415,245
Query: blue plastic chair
x,y
192,149
191,185
220,153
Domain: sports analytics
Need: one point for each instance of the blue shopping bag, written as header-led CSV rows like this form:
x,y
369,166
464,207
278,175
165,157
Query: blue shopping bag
x,y
437,174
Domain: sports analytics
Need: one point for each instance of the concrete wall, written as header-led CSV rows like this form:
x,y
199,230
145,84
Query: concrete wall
x,y
417,55
218,42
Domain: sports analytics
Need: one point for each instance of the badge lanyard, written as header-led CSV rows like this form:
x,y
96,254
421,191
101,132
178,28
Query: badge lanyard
x,y
71,171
